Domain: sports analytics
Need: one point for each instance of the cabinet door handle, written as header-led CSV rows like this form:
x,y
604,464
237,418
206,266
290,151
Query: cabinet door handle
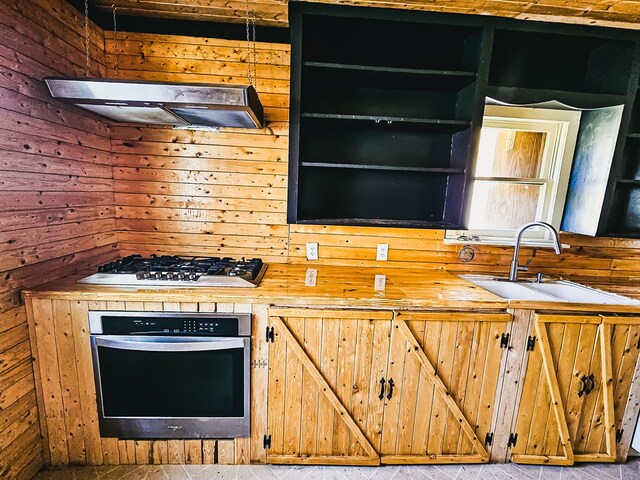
x,y
588,384
391,384
381,396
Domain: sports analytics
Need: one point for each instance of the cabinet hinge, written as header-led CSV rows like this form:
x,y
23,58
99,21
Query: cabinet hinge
x,y
531,343
619,434
267,441
513,439
270,334
488,440
504,340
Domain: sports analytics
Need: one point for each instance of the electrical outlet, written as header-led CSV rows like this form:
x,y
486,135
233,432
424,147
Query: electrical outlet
x,y
383,252
379,282
312,251
311,277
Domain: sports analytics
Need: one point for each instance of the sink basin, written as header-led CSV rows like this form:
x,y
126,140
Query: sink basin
x,y
552,291
508,290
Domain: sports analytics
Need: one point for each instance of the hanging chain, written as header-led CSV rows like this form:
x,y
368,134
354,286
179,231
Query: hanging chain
x,y
86,36
115,37
252,55
255,52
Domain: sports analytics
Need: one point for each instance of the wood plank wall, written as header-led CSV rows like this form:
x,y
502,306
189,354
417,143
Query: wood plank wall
x,y
202,193
224,193
56,196
613,13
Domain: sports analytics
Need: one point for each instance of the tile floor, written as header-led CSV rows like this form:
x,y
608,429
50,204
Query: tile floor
x,y
629,471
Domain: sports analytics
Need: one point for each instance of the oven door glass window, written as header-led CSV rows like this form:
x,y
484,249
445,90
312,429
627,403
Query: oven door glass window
x,y
139,383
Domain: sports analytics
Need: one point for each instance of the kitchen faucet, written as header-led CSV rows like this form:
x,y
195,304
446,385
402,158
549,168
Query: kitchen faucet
x,y
515,268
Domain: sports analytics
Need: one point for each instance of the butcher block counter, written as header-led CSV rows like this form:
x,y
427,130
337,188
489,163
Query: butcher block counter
x,y
285,284
430,369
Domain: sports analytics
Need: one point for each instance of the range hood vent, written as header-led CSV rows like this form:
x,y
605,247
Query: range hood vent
x,y
200,105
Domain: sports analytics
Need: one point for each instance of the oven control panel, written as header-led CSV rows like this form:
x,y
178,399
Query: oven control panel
x,y
161,325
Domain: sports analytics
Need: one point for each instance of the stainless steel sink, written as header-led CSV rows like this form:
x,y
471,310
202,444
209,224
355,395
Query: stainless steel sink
x,y
550,291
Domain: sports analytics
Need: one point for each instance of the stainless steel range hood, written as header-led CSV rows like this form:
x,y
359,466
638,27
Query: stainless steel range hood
x,y
199,105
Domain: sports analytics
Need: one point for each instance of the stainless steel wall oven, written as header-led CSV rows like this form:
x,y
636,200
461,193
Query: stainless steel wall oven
x,y
171,375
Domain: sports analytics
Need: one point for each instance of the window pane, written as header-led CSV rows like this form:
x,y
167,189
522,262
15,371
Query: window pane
x,y
502,206
505,152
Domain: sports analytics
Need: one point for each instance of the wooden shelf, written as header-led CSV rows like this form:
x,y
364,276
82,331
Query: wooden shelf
x,y
368,68
378,222
536,95
633,135
389,77
391,168
629,181
440,124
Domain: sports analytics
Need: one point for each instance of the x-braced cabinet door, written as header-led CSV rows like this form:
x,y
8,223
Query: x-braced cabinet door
x,y
625,350
323,398
566,407
444,368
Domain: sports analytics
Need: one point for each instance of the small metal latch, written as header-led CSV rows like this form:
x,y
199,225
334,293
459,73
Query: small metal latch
x,y
270,334
267,441
488,440
619,434
504,340
513,439
531,343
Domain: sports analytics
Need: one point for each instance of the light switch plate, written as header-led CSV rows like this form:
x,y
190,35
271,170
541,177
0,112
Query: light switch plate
x,y
312,250
311,277
383,252
379,282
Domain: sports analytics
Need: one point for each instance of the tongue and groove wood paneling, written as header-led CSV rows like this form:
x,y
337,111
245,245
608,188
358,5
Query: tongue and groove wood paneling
x,y
225,193
66,386
56,200
202,193
618,13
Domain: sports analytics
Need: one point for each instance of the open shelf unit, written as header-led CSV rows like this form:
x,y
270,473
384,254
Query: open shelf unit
x,y
387,105
385,112
564,62
625,219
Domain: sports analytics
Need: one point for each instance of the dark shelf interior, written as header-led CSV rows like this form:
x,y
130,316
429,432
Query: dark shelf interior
x,y
631,158
321,96
626,212
368,143
388,43
332,193
572,63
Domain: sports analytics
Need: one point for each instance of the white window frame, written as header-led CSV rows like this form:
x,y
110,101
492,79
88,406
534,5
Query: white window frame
x,y
561,128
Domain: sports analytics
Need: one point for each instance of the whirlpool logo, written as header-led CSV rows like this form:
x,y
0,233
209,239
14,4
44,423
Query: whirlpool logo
x,y
174,427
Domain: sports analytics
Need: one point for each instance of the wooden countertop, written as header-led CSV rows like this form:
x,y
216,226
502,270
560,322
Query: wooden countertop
x,y
284,285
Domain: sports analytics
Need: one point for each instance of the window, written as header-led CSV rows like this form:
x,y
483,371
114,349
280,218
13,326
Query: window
x,y
522,173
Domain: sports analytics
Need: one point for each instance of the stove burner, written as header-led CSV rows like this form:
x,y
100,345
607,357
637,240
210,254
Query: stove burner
x,y
135,269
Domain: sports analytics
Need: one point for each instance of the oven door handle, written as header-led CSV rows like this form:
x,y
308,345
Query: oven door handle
x,y
167,344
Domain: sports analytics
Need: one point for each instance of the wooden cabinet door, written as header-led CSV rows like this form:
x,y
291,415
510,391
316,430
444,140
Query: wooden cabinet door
x,y
566,407
324,373
625,350
445,368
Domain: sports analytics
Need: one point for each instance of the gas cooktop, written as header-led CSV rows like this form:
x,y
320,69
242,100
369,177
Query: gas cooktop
x,y
175,271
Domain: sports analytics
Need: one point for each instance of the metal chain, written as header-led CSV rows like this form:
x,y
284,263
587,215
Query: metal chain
x,y
255,53
251,50
115,37
86,36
